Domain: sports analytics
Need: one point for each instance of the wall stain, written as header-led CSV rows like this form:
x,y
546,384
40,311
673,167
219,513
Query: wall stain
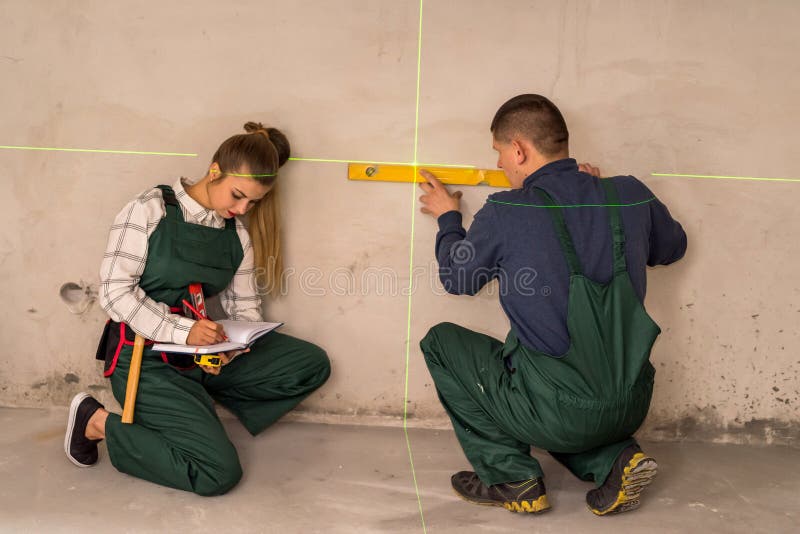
x,y
707,426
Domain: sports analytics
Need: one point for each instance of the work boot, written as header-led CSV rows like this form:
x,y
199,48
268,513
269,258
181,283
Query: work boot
x,y
81,450
523,496
631,473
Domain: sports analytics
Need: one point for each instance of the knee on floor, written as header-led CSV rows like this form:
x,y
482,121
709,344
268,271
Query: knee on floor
x,y
221,478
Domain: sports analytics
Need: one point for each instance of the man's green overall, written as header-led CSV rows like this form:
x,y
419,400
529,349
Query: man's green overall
x,y
177,439
582,407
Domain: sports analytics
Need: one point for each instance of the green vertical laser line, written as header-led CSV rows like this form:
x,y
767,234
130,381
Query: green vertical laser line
x,y
419,77
728,177
135,152
411,278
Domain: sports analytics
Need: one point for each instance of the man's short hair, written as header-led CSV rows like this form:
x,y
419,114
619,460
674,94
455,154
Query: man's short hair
x,y
534,118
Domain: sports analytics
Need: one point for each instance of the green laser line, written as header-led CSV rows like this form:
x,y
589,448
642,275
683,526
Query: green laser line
x,y
728,177
411,280
419,76
572,205
96,151
250,175
367,162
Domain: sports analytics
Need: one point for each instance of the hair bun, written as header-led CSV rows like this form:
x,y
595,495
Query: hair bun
x,y
278,139
253,127
281,144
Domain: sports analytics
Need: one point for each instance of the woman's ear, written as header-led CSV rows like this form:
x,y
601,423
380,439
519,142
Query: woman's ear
x,y
214,171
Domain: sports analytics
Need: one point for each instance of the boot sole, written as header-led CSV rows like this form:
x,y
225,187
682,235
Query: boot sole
x,y
637,475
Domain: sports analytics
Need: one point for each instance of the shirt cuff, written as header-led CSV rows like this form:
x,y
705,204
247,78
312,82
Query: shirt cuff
x,y
181,330
449,220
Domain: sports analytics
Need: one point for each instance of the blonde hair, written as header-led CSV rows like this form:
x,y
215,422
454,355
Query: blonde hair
x,y
263,151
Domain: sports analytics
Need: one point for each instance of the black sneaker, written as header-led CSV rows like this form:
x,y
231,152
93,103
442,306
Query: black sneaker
x,y
631,473
81,450
523,496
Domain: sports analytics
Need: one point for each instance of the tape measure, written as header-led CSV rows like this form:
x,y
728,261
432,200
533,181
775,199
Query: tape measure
x,y
211,360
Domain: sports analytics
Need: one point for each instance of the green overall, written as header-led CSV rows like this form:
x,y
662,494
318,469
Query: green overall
x,y
177,439
581,407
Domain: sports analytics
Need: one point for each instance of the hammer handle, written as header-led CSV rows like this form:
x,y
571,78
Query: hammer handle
x,y
133,379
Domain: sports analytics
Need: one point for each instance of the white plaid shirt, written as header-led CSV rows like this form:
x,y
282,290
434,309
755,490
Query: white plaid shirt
x,y
126,255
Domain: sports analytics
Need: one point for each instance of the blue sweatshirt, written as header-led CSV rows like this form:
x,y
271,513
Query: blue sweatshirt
x,y
518,246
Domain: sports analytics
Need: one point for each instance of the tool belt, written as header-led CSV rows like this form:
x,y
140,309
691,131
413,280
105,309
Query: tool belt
x,y
116,336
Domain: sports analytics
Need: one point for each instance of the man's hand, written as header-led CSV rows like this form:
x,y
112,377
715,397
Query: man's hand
x,y
589,169
437,200
205,332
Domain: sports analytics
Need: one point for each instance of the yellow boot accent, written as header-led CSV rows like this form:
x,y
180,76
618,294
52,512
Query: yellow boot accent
x,y
530,506
639,473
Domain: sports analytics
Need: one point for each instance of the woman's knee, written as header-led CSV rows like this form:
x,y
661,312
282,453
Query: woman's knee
x,y
221,476
319,362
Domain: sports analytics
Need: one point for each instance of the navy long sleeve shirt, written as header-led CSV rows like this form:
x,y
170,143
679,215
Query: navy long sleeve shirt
x,y
517,244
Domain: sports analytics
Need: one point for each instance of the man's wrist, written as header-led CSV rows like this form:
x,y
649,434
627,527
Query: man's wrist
x,y
449,219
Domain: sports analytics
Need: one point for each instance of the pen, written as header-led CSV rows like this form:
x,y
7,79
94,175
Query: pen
x,y
199,315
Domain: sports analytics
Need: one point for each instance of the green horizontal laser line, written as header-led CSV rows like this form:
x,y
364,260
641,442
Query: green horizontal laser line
x,y
366,162
728,177
574,205
136,152
250,175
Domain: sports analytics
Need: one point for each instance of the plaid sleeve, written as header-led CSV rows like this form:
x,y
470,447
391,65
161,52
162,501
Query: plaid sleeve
x,y
122,267
240,299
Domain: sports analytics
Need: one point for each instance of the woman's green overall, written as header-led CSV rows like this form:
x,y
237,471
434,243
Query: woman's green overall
x,y
177,439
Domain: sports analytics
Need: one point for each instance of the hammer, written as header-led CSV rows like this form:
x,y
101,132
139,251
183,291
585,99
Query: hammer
x,y
133,379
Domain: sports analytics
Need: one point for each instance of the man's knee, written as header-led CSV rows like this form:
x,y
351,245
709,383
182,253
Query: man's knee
x,y
431,344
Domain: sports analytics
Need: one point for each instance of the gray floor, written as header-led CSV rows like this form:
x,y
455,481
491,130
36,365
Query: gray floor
x,y
320,478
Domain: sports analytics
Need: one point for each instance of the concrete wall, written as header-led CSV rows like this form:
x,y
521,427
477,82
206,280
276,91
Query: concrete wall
x,y
697,87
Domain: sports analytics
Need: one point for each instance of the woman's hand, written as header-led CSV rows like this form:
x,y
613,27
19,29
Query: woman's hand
x,y
205,332
225,359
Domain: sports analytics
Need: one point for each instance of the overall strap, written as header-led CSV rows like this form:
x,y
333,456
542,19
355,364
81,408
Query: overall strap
x,y
612,200
567,246
170,202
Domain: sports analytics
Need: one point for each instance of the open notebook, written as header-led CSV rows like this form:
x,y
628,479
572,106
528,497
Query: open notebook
x,y
241,334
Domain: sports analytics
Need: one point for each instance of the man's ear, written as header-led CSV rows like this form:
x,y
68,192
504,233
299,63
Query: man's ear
x,y
521,152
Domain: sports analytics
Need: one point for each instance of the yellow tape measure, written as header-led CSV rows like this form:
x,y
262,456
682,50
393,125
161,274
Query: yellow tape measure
x,y
211,360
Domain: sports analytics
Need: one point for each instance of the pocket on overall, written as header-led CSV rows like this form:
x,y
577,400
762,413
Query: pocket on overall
x,y
570,423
